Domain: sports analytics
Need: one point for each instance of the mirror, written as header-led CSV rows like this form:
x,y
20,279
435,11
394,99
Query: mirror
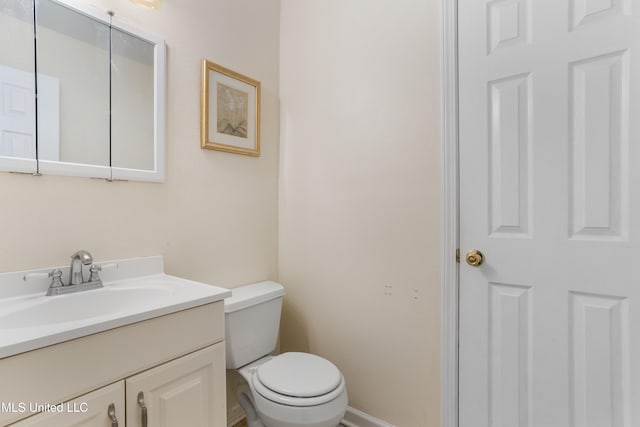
x,y
100,92
17,87
132,95
73,86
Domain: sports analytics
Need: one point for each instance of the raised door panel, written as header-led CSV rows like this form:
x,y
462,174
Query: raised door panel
x,y
189,391
599,124
510,156
510,355
587,11
508,23
599,360
89,410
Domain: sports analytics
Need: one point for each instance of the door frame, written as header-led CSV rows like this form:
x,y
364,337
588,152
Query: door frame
x,y
449,214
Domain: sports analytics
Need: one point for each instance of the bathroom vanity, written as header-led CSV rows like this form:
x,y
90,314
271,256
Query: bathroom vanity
x,y
142,362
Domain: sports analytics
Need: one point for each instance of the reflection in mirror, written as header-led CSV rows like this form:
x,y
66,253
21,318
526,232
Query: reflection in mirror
x,y
17,85
132,102
73,55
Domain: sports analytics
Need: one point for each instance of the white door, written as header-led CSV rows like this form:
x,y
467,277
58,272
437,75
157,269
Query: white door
x,y
550,194
18,118
189,391
17,113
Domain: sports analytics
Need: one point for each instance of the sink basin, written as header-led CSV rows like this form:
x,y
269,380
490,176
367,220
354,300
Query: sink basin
x,y
81,306
35,320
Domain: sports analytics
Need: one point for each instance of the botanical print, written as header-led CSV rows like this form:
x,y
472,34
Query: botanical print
x,y
233,111
230,111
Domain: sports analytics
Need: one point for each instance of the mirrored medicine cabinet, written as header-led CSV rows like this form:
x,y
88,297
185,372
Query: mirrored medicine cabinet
x,y
85,99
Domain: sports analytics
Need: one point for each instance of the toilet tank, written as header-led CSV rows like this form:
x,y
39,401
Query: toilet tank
x,y
252,322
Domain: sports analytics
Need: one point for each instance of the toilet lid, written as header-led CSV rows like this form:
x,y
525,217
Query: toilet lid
x,y
299,375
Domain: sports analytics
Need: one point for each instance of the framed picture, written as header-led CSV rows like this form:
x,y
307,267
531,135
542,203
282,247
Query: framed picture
x,y
230,112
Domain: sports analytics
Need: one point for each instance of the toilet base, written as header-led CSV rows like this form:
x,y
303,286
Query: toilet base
x,y
253,420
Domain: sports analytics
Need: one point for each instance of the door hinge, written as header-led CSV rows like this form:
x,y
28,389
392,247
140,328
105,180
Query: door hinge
x,y
458,255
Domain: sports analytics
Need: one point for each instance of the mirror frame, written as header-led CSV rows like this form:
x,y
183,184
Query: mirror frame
x,y
110,173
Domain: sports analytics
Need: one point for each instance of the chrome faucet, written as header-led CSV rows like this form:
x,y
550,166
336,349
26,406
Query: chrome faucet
x,y
78,259
76,279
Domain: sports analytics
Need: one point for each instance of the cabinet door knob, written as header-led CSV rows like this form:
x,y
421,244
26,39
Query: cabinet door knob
x,y
112,415
143,408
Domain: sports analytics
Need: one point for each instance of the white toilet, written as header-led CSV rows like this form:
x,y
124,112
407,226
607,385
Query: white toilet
x,y
288,390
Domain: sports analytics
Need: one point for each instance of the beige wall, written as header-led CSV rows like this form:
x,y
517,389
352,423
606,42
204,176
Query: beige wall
x,y
16,41
359,197
215,217
359,185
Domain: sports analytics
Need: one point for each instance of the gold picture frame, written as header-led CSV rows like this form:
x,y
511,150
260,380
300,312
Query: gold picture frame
x,y
230,111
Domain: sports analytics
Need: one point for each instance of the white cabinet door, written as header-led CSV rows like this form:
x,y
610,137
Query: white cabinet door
x,y
189,391
89,410
550,193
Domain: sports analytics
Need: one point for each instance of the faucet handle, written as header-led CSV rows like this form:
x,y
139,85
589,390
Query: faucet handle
x,y
30,276
56,278
94,269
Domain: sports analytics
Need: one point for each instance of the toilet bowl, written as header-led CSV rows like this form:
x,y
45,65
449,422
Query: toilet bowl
x,y
295,389
288,390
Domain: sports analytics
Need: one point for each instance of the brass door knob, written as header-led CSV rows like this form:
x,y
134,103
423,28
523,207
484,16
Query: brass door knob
x,y
474,258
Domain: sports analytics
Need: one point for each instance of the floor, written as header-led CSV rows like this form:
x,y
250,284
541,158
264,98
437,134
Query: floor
x,y
243,423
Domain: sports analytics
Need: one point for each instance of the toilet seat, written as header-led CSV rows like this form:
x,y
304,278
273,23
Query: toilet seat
x,y
298,379
299,375
295,401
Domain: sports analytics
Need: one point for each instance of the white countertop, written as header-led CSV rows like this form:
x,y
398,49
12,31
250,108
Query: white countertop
x,y
134,290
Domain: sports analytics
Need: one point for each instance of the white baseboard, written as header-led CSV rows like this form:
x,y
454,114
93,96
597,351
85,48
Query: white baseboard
x,y
352,418
355,418
235,414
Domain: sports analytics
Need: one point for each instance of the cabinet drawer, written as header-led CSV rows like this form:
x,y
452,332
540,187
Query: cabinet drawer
x,y
90,410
